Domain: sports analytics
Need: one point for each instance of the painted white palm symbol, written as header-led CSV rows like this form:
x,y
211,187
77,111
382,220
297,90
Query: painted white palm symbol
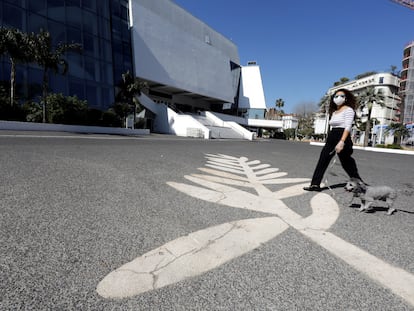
x,y
222,182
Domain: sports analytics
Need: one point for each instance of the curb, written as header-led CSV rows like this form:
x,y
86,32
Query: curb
x,y
46,127
373,149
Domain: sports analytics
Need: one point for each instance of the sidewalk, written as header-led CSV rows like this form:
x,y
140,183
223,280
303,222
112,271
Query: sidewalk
x,y
373,149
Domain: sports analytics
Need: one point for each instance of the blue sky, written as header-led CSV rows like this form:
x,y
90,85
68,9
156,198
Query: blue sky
x,y
303,47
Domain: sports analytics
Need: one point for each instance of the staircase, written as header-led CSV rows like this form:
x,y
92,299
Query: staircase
x,y
217,131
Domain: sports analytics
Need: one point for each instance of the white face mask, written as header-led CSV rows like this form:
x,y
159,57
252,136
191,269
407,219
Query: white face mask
x,y
338,100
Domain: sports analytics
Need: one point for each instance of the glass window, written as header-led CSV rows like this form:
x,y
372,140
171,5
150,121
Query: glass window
x,y
124,12
56,10
107,74
38,6
126,48
75,68
103,8
58,84
117,47
20,3
91,46
57,32
104,30
115,8
35,78
21,80
118,71
36,22
73,35
118,58
74,17
90,23
106,51
91,69
55,3
107,98
124,3
76,87
92,95
89,4
3,71
127,61
13,16
73,3
126,35
116,29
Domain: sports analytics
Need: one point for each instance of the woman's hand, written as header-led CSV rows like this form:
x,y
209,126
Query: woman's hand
x,y
340,146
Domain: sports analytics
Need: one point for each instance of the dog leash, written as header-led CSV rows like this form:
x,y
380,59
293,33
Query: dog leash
x,y
330,167
329,171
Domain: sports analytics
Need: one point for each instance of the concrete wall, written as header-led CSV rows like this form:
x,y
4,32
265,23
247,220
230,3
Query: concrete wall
x,y
174,48
251,88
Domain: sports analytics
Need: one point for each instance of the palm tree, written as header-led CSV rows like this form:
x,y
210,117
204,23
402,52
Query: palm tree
x,y
367,100
15,44
129,88
279,103
50,58
341,81
393,70
399,131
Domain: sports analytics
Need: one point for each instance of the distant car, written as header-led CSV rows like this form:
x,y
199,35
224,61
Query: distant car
x,y
410,141
279,135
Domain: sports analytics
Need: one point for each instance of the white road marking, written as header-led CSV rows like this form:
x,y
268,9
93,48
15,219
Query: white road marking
x,y
206,249
189,256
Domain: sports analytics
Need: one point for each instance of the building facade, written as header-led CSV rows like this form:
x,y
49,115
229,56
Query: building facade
x,y
188,65
407,83
384,114
385,82
101,27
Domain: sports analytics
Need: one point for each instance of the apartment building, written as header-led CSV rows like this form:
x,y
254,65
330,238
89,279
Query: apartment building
x,y
384,114
407,83
385,82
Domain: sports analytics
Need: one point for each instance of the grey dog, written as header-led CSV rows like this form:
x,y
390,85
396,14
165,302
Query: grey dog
x,y
368,194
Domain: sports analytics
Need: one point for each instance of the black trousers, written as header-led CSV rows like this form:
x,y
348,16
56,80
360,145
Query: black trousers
x,y
328,152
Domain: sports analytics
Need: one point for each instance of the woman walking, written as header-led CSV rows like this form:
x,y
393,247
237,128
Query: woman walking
x,y
342,112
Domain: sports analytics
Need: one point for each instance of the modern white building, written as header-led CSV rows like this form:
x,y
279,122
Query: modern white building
x,y
194,74
252,103
320,123
290,122
384,115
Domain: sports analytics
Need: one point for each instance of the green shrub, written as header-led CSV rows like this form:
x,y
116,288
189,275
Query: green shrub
x,y
66,109
111,119
393,146
9,112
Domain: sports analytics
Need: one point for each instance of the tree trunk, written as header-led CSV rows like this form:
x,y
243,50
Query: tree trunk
x,y
367,130
12,81
44,94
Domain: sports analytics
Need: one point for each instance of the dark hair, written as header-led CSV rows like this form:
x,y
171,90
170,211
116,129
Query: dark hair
x,y
350,100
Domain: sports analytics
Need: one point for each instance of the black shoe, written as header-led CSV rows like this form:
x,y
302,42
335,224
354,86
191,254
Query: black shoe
x,y
313,188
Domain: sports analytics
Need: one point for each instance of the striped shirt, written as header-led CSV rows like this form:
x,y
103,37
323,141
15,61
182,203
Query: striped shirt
x,y
343,119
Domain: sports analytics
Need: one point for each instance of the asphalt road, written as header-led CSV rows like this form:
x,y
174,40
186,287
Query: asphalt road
x,y
76,207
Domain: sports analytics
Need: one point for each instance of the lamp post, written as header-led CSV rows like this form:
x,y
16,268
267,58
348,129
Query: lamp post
x,y
326,116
